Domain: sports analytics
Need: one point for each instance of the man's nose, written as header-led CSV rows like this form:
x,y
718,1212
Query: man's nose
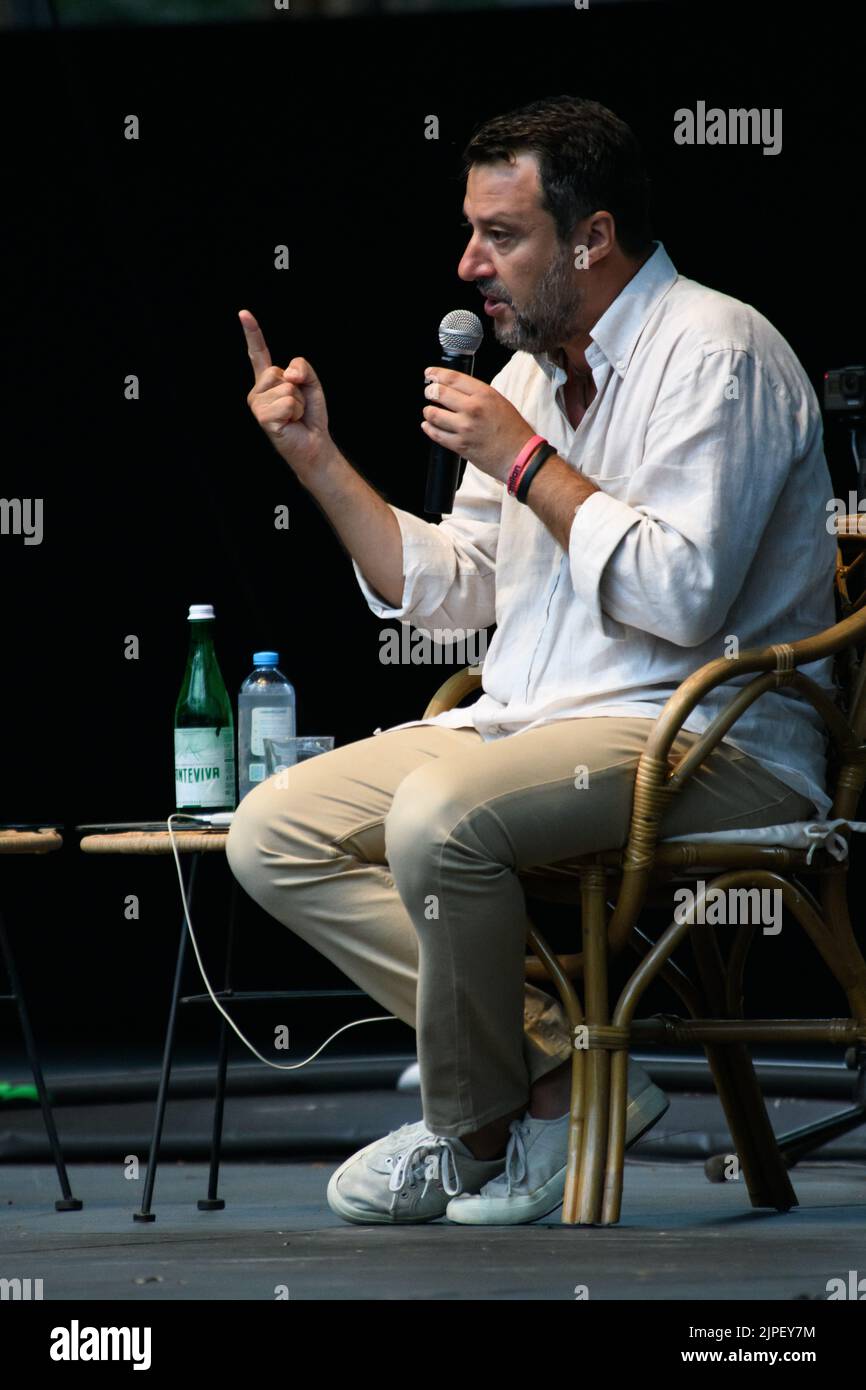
x,y
473,266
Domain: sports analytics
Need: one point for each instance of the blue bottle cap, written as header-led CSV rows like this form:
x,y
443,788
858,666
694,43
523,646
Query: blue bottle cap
x,y
266,658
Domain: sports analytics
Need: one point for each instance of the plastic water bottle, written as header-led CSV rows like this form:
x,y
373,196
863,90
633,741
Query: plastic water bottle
x,y
266,709
204,726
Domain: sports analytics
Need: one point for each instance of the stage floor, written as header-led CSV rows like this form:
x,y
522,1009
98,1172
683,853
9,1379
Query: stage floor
x,y
680,1238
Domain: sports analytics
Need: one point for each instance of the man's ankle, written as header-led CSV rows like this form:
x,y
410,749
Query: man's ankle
x,y
550,1097
486,1155
491,1141
485,1149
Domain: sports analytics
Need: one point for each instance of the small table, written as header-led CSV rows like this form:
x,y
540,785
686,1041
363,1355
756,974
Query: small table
x,y
193,843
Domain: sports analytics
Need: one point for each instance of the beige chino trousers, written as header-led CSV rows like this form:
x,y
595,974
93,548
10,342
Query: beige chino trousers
x,y
397,856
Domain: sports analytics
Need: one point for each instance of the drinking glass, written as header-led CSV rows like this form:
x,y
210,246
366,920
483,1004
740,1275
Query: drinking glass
x,y
281,753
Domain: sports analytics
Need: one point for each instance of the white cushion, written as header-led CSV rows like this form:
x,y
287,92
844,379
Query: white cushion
x,y
800,834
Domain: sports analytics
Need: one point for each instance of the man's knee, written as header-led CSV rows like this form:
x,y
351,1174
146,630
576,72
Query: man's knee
x,y
282,829
247,834
428,813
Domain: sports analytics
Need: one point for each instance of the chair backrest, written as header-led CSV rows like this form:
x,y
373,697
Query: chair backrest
x,y
845,775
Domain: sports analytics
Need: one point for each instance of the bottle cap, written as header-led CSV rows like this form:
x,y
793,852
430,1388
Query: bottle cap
x,y
199,612
266,658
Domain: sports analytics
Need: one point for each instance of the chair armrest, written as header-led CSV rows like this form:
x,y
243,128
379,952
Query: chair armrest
x,y
779,662
452,691
657,780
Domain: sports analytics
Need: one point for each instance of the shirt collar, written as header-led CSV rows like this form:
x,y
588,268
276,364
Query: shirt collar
x,y
615,335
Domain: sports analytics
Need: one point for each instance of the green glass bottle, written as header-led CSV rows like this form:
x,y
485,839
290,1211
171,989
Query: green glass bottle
x,y
204,726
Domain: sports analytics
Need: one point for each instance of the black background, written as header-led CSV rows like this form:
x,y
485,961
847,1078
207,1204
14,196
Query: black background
x,y
134,257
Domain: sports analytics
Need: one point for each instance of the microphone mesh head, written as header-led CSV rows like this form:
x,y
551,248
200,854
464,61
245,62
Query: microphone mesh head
x,y
461,331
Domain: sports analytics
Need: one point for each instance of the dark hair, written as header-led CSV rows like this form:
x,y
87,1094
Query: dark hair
x,y
588,160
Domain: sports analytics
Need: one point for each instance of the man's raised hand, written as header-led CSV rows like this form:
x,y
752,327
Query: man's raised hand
x,y
288,404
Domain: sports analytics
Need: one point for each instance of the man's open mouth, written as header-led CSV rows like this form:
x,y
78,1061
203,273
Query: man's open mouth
x,y
491,303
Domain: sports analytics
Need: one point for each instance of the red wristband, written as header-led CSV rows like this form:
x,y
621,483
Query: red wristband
x,y
517,479
522,460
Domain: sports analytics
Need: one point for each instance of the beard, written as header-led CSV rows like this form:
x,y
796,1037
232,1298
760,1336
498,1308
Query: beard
x,y
553,314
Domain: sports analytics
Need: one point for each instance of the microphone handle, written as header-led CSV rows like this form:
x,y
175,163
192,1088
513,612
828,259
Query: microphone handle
x,y
444,464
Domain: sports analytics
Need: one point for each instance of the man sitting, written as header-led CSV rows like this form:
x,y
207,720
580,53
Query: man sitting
x,y
677,515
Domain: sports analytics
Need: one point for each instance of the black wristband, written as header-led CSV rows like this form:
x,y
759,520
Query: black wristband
x,y
541,455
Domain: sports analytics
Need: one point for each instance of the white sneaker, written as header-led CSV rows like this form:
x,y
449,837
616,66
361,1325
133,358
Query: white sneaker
x,y
410,1175
533,1182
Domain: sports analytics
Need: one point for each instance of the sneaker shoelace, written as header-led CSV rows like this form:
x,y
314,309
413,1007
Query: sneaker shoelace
x,y
516,1159
430,1157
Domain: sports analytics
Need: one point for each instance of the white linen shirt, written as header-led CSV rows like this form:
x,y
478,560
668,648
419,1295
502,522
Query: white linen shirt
x,y
706,441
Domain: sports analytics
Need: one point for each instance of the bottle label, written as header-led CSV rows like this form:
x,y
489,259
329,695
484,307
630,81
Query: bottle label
x,y
269,721
204,767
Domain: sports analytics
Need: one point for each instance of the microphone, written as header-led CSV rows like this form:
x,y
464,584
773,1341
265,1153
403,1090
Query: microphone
x,y
461,335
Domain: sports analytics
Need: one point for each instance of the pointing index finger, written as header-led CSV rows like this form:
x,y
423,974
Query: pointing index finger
x,y
256,345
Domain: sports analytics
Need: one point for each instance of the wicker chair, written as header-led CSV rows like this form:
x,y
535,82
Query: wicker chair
x,y
647,868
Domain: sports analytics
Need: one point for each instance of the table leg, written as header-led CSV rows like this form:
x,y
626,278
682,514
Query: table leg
x,y
145,1214
212,1202
67,1202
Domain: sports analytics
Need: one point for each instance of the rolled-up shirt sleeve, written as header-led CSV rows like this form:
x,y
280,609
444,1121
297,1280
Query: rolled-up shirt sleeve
x,y
670,556
449,567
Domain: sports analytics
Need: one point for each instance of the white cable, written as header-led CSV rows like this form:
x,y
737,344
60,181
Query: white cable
x,y
278,1066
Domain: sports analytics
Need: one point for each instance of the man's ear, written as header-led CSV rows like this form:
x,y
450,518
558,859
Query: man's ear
x,y
600,234
582,242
